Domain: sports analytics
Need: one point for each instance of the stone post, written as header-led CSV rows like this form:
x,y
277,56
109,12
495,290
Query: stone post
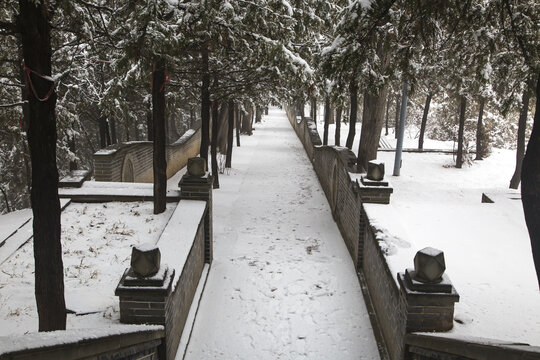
x,y
196,184
428,293
145,287
373,188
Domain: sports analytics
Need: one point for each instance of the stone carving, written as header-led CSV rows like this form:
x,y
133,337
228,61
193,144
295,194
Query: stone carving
x,y
196,166
375,170
429,265
145,260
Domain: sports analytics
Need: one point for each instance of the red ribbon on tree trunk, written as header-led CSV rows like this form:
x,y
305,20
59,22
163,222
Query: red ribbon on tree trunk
x,y
30,85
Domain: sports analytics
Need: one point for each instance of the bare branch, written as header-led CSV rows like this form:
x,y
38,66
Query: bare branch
x,y
21,103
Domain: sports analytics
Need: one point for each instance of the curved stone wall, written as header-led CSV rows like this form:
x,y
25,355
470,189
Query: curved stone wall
x,y
132,161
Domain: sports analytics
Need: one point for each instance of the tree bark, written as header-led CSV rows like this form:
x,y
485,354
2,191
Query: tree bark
x,y
353,90
258,115
102,125
112,126
230,134
158,122
522,127
326,120
480,132
173,134
72,149
49,272
424,122
337,136
8,208
149,124
238,122
396,118
314,110
191,117
372,123
530,185
462,107
215,139
247,119
386,116
205,105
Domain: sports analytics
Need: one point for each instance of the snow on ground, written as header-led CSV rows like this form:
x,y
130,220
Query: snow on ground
x,y
282,284
487,246
96,243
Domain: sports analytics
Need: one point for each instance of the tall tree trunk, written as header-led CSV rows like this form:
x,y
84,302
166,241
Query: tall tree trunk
x,y
353,90
462,106
205,105
215,139
191,117
326,119
424,121
173,130
530,185
238,119
337,136
149,122
247,119
158,117
258,115
480,132
396,118
386,116
72,149
522,127
112,126
300,109
8,208
103,126
49,271
314,110
372,123
230,134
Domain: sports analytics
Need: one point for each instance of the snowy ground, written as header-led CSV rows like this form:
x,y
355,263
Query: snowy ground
x,y
96,243
487,247
282,284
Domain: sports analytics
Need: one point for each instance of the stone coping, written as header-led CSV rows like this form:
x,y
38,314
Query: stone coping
x,y
77,343
179,235
102,191
471,347
113,149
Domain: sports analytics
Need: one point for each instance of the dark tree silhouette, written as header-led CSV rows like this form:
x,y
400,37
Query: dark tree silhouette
x,y
49,270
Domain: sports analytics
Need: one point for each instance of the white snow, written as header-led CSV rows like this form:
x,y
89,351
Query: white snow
x,y
118,189
10,222
282,283
96,243
177,237
487,247
10,344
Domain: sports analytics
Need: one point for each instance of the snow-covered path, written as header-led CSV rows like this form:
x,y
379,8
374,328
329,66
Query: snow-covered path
x,y
282,284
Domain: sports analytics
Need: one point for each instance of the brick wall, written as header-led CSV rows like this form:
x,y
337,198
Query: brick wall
x,y
133,344
386,297
177,308
110,163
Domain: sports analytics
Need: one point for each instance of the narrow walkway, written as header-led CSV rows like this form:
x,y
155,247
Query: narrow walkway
x,y
282,284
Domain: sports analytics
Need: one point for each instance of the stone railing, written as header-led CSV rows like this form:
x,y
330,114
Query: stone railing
x,y
398,311
132,161
135,342
165,297
425,347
